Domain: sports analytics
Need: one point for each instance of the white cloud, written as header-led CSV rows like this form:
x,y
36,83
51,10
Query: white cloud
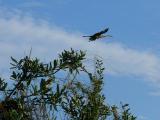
x,y
18,34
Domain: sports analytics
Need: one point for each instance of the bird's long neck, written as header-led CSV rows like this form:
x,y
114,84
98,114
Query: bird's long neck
x,y
87,36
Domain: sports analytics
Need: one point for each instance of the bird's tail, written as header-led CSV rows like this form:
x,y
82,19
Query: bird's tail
x,y
108,36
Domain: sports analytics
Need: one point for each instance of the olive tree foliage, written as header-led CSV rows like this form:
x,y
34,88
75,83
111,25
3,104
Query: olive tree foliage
x,y
50,91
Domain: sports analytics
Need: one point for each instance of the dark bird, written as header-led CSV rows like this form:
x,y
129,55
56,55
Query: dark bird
x,y
98,35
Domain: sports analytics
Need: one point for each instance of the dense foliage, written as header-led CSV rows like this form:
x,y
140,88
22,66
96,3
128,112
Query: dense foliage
x,y
50,91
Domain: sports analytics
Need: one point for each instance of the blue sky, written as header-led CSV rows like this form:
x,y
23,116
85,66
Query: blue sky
x,y
131,57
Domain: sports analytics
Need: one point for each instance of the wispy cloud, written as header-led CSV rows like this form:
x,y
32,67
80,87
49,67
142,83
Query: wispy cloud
x,y
19,33
39,4
32,3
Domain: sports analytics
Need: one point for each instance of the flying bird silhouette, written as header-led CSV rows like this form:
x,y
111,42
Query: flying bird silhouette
x,y
98,35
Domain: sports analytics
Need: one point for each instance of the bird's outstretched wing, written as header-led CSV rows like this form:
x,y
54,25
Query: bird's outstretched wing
x,y
103,31
98,33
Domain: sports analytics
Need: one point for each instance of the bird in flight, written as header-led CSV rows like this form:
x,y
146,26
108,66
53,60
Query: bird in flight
x,y
98,35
